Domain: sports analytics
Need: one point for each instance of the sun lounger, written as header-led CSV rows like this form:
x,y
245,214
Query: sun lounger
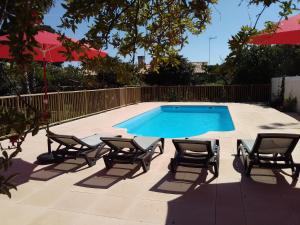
x,y
74,147
132,150
196,153
269,150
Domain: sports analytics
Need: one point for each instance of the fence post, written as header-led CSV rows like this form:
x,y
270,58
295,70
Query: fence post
x,y
105,101
120,97
141,94
125,96
86,102
59,107
18,103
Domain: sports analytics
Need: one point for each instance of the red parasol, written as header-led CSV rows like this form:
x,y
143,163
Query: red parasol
x,y
50,49
287,32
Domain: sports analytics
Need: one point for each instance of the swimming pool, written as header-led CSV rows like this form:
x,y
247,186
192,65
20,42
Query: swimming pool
x,y
172,121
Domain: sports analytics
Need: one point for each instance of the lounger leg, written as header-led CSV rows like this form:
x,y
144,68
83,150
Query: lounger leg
x,y
107,162
161,149
292,164
89,161
249,168
173,165
145,165
296,173
100,151
216,169
216,164
238,147
147,161
162,146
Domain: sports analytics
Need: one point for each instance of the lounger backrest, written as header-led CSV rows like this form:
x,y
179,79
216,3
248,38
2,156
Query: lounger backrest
x,y
186,146
119,143
275,143
64,139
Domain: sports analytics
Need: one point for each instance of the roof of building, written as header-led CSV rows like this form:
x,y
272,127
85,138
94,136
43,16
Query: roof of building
x,y
199,67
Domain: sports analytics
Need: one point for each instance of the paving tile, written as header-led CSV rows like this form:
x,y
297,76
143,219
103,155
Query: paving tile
x,y
111,206
45,197
76,201
16,214
127,189
102,220
148,211
56,217
23,191
200,212
269,217
229,202
159,196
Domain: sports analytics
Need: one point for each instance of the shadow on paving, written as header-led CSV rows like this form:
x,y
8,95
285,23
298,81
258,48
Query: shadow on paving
x,y
57,169
294,115
263,199
22,169
106,178
281,126
60,168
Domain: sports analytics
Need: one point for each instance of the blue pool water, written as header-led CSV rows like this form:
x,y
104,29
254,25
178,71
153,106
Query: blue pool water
x,y
179,121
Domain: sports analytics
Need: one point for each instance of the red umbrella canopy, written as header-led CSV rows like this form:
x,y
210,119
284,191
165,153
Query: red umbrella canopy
x,y
51,49
287,32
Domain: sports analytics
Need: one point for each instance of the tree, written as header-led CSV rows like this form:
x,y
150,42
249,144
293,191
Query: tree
x,y
213,74
258,64
159,27
111,71
19,19
16,124
169,74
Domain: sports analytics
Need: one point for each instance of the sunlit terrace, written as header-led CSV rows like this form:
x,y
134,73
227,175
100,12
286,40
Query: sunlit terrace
x,y
70,192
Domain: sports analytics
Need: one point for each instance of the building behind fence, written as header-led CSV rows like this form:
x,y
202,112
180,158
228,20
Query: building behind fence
x,y
75,104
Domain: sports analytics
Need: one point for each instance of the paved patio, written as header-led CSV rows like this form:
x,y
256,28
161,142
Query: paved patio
x,y
71,193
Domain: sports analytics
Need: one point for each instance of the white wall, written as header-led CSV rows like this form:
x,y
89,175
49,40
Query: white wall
x,y
292,88
275,88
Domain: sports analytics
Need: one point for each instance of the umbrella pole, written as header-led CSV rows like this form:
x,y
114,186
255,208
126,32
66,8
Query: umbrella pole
x,y
46,157
46,105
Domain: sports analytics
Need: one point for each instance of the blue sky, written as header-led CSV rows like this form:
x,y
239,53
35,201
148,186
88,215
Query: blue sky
x,y
227,18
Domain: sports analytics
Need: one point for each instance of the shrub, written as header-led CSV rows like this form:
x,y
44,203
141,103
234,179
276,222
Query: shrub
x,y
289,104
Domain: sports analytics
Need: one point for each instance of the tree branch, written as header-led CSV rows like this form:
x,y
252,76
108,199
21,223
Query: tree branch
x,y
3,15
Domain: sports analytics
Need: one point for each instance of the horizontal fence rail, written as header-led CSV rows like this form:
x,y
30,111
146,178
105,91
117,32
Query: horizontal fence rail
x,y
226,93
68,105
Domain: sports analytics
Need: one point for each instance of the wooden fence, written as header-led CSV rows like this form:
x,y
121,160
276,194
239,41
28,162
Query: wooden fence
x,y
74,104
227,93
